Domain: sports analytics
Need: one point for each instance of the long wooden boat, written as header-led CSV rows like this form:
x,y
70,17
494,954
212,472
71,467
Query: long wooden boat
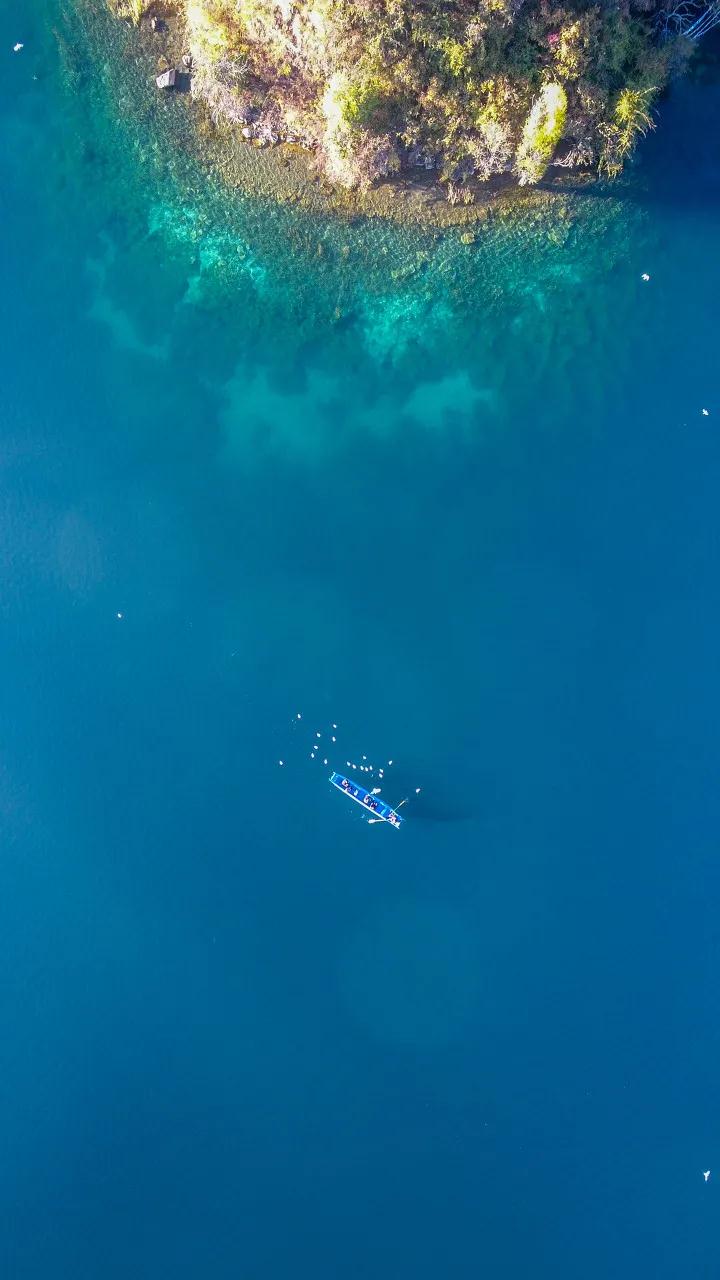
x,y
377,810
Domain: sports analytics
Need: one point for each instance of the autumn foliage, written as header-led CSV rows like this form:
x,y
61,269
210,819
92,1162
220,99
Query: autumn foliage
x,y
467,90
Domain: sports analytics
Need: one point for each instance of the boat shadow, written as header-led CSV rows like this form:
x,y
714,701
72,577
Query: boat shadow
x,y
440,801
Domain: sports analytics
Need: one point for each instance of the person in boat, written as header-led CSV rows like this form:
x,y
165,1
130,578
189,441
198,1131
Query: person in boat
x,y
345,784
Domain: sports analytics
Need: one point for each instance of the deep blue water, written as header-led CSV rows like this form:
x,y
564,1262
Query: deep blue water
x,y
474,523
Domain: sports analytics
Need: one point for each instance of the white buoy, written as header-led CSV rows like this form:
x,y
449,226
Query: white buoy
x,y
389,761
417,791
118,615
324,761
333,739
312,755
281,763
334,726
299,716
318,735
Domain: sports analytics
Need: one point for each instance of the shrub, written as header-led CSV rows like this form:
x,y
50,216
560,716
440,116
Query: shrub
x,y
210,28
542,131
492,150
365,105
631,120
354,155
623,42
130,9
455,56
573,48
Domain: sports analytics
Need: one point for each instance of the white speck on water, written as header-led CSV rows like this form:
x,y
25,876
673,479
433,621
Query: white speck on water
x,y
706,413
312,755
417,791
118,615
281,763
706,1174
364,757
333,739
389,761
645,276
334,726
17,47
318,735
299,716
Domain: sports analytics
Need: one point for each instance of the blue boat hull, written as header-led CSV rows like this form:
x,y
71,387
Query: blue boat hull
x,y
376,808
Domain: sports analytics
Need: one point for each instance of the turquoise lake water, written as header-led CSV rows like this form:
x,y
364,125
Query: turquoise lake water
x,y
459,500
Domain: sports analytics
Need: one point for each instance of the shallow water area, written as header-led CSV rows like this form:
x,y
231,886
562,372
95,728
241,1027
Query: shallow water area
x,y
378,292
458,500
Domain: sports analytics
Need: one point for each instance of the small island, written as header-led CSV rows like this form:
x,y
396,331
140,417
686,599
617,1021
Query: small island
x,y
472,95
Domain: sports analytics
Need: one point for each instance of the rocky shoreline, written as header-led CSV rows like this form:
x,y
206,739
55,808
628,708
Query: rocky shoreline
x,y
257,159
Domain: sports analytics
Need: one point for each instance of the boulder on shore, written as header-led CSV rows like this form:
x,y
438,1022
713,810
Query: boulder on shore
x,y
166,80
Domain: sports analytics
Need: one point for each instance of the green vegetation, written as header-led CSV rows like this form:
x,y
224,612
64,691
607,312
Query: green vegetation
x,y
542,131
133,10
630,120
467,90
